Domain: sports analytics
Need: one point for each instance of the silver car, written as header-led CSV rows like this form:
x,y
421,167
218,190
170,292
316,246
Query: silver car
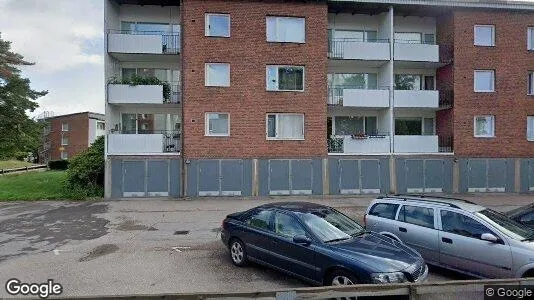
x,y
456,234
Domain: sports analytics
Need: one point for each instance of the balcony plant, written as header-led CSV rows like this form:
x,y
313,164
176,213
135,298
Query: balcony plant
x,y
359,136
140,80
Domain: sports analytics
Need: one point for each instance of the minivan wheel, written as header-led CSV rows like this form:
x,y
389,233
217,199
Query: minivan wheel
x,y
238,254
341,277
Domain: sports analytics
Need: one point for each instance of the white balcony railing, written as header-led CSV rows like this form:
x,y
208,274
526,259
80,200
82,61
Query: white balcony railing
x,y
359,49
143,94
372,144
143,42
419,98
155,143
352,97
416,144
406,51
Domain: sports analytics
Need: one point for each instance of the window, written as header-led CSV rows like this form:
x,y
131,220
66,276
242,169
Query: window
x,y
217,124
408,37
64,140
367,81
414,126
65,127
100,125
148,123
287,226
64,155
484,126
484,35
356,35
429,39
484,81
530,38
217,25
217,74
531,83
421,216
353,125
530,128
463,225
285,126
259,219
285,78
286,30
384,210
329,224
414,82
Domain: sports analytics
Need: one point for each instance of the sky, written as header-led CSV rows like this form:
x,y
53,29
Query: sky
x,y
65,39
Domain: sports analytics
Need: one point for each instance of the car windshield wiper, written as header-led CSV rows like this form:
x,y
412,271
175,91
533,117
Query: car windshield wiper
x,y
528,238
337,240
361,232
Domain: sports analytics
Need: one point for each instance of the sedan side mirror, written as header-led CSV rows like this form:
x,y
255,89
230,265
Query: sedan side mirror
x,y
302,240
489,237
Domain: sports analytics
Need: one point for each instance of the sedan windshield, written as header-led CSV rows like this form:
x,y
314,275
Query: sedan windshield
x,y
506,225
330,225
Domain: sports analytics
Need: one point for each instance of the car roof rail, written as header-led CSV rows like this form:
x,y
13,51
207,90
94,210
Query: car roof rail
x,y
435,197
430,199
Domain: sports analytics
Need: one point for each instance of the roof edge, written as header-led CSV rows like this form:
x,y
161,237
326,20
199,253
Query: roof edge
x,y
497,4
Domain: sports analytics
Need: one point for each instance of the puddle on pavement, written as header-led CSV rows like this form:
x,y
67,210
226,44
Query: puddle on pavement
x,y
99,252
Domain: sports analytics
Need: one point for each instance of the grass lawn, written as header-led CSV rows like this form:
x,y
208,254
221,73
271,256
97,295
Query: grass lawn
x,y
12,164
46,185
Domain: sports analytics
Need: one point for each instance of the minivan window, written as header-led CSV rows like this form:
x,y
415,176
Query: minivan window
x,y
505,225
259,219
463,225
384,210
416,215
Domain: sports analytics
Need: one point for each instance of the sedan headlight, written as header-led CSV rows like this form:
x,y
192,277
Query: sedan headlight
x,y
394,277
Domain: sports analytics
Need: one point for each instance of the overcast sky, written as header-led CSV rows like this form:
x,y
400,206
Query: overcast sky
x,y
65,39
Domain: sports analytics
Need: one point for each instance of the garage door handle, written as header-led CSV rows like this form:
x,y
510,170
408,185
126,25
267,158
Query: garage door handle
x,y
402,229
446,240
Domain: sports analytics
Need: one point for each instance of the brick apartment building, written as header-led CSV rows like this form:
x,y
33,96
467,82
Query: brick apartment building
x,y
318,97
67,135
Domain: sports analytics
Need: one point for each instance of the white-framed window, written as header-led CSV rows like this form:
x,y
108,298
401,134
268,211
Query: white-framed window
x,y
530,128
285,126
285,78
64,126
101,125
286,29
484,35
484,126
217,124
484,81
64,140
217,25
217,74
64,155
530,38
531,83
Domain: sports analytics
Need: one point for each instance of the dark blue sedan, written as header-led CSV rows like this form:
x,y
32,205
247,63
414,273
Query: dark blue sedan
x,y
318,244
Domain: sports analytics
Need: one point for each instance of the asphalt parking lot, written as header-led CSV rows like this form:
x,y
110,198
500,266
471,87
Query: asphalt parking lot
x,y
149,246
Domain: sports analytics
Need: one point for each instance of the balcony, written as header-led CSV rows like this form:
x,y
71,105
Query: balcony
x,y
377,50
416,144
416,98
353,97
132,42
372,144
405,50
156,142
446,99
144,94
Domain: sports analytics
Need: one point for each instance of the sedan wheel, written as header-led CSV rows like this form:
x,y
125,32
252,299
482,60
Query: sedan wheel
x,y
238,253
341,280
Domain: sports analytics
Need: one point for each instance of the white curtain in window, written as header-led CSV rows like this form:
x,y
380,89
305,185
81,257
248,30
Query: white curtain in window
x,y
218,123
484,35
290,126
484,81
530,128
531,38
484,126
283,29
272,78
218,74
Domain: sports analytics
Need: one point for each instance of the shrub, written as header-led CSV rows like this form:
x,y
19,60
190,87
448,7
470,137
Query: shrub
x,y
22,156
85,176
141,80
58,164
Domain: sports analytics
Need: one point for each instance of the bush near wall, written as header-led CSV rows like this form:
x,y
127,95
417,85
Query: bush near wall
x,y
85,176
58,164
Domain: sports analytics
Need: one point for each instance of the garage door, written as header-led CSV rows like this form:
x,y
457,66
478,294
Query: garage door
x,y
422,175
220,177
486,175
290,177
358,176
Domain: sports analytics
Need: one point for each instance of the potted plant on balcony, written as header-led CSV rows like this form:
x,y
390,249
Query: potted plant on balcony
x,y
359,136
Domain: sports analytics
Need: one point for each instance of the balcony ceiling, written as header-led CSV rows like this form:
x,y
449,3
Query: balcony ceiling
x,y
377,8
150,2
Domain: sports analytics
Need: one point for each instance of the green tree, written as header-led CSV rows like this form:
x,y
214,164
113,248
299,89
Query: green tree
x,y
86,171
18,133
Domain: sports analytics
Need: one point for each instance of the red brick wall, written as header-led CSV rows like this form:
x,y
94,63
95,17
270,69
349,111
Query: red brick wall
x,y
509,103
246,99
78,135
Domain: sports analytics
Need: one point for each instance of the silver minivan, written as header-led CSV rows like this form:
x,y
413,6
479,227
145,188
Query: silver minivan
x,y
456,234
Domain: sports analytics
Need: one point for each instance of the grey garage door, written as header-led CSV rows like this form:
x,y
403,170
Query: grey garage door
x,y
290,177
527,175
424,175
145,178
358,176
486,175
220,177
